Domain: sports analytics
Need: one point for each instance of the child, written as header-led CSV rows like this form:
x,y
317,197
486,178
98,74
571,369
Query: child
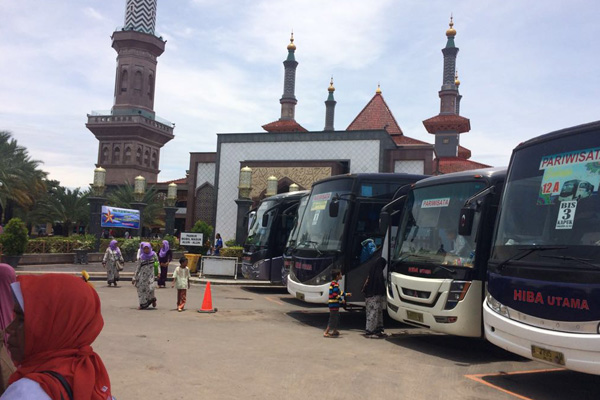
x,y
181,279
336,298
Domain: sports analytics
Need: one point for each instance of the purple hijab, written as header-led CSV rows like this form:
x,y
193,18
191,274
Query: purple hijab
x,y
164,249
113,246
7,276
143,255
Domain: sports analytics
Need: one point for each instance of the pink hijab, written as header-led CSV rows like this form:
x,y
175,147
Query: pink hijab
x,y
7,276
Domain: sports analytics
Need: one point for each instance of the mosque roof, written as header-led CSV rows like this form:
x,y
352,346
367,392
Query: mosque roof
x,y
284,125
447,122
376,115
446,165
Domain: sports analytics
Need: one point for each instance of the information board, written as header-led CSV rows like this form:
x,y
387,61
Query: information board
x,y
191,239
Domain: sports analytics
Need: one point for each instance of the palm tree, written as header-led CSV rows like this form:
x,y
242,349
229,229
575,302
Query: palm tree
x,y
20,178
123,196
60,204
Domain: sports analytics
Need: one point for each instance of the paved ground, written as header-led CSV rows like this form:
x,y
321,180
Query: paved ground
x,y
263,344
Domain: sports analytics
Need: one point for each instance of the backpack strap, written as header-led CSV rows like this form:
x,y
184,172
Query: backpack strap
x,y
63,382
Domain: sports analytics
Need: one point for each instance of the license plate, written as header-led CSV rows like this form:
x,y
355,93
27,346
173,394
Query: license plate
x,y
414,316
300,296
555,357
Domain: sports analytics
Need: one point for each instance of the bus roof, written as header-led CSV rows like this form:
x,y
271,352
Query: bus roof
x,y
381,176
492,175
589,127
287,196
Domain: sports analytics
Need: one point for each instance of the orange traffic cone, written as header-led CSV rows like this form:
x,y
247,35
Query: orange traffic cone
x,y
207,302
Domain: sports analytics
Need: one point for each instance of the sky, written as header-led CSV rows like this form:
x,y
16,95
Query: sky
x,y
526,68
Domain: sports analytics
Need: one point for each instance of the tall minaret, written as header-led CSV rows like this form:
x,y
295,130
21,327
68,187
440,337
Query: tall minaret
x,y
288,100
448,125
330,108
131,135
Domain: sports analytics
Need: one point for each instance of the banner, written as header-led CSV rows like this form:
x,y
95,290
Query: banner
x,y
113,217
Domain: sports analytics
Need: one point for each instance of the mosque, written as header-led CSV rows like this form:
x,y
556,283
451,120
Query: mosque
x,y
130,135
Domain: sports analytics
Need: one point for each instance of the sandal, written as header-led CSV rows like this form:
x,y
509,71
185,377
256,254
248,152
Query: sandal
x,y
326,335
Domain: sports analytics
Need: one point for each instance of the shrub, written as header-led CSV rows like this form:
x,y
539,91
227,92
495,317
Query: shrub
x,y
233,251
232,243
207,231
14,239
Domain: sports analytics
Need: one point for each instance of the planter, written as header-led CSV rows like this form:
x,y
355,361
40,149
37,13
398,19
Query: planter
x,y
80,257
13,261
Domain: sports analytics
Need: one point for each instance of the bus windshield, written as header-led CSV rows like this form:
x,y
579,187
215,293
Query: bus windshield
x,y
428,232
318,229
550,203
294,232
258,235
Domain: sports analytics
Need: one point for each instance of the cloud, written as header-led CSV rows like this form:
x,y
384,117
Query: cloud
x,y
92,13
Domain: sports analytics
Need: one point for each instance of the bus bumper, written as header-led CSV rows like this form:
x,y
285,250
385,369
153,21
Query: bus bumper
x,y
580,352
308,293
429,312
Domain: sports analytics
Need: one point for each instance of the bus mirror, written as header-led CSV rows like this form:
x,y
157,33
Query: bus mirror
x,y
465,222
334,208
384,222
265,219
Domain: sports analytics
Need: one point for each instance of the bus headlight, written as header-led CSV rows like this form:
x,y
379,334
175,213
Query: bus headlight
x,y
497,306
390,289
458,291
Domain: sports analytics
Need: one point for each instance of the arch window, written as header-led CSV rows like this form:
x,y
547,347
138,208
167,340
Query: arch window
x,y
151,86
127,155
137,82
116,155
154,160
104,158
147,158
124,80
138,156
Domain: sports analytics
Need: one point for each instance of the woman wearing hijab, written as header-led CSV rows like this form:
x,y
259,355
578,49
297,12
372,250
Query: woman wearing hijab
x,y
7,276
143,278
112,257
57,317
165,255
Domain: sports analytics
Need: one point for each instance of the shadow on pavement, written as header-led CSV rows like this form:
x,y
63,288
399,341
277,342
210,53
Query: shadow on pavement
x,y
265,289
461,350
549,385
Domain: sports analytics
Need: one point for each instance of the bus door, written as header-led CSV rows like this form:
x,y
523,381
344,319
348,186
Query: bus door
x,y
365,242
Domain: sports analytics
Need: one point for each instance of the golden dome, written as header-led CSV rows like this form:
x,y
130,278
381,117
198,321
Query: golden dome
x,y
331,88
378,91
451,31
291,46
456,81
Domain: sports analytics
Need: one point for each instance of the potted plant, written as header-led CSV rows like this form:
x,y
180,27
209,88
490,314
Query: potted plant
x,y
14,241
85,244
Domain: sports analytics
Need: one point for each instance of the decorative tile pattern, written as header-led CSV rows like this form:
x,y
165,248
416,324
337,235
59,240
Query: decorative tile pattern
x,y
409,166
205,174
362,154
140,15
303,176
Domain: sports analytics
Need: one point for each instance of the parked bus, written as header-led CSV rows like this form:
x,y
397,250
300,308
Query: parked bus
x,y
292,239
543,298
437,270
268,235
340,230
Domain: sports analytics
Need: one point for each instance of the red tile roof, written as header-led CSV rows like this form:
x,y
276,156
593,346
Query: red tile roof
x,y
376,115
402,140
286,125
446,165
441,123
180,181
463,152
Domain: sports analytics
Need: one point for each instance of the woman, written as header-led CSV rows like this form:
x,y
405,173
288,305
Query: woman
x,y
374,290
112,257
143,278
57,317
7,276
165,255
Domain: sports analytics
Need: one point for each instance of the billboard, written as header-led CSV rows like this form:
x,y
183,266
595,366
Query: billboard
x,y
113,217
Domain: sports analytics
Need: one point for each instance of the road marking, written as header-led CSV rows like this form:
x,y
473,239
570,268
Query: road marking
x,y
477,378
273,300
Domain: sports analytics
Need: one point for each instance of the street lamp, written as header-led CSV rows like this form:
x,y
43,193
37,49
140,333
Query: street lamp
x,y
245,186
139,190
271,186
170,209
96,201
244,202
294,188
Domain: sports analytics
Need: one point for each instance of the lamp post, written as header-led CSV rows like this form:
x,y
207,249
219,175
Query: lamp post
x,y
294,188
271,186
96,201
170,209
139,190
244,202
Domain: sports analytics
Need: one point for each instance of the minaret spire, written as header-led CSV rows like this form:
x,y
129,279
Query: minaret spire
x,y
330,108
288,100
448,125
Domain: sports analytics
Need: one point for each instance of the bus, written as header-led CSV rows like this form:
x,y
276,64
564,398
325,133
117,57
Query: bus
x,y
437,269
543,299
263,250
292,239
340,230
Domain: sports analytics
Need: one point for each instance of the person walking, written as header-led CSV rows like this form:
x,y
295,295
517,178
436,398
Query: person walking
x,y
218,245
113,262
374,290
7,367
337,297
143,278
165,255
57,318
181,281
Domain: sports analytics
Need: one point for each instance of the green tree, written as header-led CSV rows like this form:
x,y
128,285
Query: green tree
x,y
60,204
123,197
21,179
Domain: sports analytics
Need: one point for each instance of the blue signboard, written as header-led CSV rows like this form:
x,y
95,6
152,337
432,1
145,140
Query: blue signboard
x,y
113,217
